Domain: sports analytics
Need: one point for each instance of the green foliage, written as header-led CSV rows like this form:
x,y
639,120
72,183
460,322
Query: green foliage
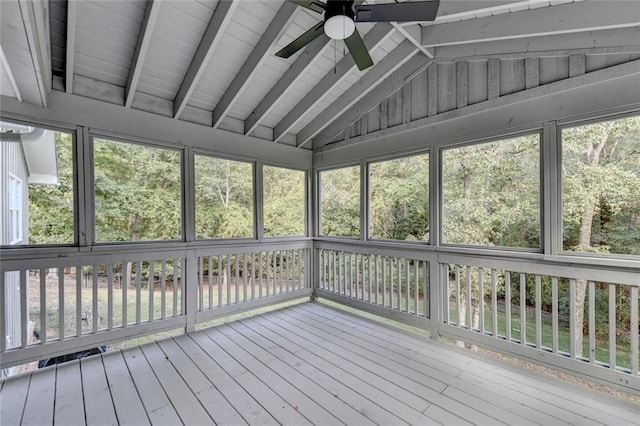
x,y
224,198
491,193
601,177
284,201
51,206
399,198
137,192
340,202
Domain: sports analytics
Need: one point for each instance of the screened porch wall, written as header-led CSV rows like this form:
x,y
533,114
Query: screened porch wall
x,y
434,312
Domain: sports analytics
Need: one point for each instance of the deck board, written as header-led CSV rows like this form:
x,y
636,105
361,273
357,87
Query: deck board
x,y
305,364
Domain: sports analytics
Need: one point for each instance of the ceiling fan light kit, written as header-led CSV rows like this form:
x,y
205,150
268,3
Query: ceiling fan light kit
x,y
340,18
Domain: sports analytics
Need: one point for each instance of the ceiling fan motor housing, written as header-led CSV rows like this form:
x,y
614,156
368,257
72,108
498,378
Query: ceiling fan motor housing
x,y
339,19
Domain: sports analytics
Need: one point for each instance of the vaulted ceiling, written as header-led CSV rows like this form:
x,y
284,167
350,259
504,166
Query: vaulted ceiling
x,y
212,62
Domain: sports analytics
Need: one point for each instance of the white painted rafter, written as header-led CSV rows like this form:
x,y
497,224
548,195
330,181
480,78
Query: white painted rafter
x,y
212,36
412,33
142,47
306,59
9,74
72,12
553,20
377,35
257,57
378,73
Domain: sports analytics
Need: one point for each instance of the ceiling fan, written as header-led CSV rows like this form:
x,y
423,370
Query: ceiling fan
x,y
340,17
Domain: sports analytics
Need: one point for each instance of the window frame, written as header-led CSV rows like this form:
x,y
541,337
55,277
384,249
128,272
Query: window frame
x,y
318,198
400,156
260,221
90,157
254,187
559,237
541,198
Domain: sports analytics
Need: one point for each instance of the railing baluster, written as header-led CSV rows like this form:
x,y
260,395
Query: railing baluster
x,y
95,317
3,320
227,268
408,282
151,284
200,284
458,304
253,279
634,330
481,299
507,304
78,301
210,280
244,277
236,281
163,283
538,312
138,291
175,287
572,318
61,304
260,272
612,326
375,271
468,319
109,296
23,307
369,276
125,284
592,321
554,314
399,282
416,283
494,304
43,307
523,309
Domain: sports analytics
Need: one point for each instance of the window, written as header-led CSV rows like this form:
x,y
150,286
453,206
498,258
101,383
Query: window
x,y
224,198
37,172
284,201
15,210
600,181
340,202
138,192
399,199
491,193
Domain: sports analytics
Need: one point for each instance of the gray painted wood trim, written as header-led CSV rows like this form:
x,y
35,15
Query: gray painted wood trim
x,y
577,65
258,55
142,47
493,77
367,102
558,19
462,89
212,36
378,34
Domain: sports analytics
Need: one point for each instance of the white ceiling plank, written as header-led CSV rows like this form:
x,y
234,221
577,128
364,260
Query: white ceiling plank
x,y
412,33
562,19
212,36
70,50
257,57
373,98
378,34
142,47
305,60
378,73
621,40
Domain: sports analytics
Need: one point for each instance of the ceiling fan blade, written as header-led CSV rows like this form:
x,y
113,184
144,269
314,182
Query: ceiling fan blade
x,y
398,12
302,41
358,51
316,6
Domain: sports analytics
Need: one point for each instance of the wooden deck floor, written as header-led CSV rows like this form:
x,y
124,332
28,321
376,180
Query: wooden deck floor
x,y
304,364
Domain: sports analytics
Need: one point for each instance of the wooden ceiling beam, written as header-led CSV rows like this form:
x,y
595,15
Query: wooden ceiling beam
x,y
70,49
552,20
376,36
257,57
212,36
376,75
142,47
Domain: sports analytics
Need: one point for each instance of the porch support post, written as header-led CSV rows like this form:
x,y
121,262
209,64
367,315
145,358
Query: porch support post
x,y
435,275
